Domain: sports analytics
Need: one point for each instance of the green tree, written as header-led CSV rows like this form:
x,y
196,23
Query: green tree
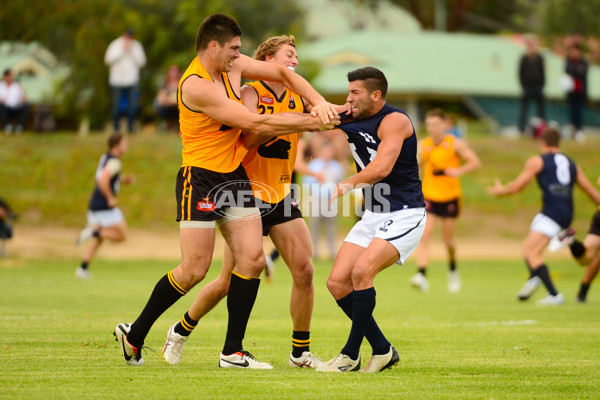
x,y
79,31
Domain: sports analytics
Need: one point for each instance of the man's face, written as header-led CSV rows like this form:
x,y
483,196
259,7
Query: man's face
x,y
360,99
286,56
435,127
228,53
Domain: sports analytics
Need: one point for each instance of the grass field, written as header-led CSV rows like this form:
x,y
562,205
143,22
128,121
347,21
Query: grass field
x,y
56,340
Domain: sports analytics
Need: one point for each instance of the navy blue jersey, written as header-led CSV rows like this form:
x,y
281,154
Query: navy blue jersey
x,y
556,179
401,189
98,202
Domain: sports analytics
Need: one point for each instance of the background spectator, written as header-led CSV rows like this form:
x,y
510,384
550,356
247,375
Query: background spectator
x,y
166,98
13,104
577,68
125,56
532,78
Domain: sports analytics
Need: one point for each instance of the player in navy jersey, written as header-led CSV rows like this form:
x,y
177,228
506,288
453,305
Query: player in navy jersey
x,y
556,175
384,147
105,219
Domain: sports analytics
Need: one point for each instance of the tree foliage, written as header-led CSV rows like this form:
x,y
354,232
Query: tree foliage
x,y
79,31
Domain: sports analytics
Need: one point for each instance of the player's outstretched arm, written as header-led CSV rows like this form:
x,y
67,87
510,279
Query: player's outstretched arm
x,y
587,186
260,70
205,96
532,167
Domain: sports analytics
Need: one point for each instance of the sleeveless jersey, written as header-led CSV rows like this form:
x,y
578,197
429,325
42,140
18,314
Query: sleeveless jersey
x,y
436,158
207,143
270,165
401,189
556,179
98,202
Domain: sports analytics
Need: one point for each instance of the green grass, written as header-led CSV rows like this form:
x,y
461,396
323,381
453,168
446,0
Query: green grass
x,y
56,340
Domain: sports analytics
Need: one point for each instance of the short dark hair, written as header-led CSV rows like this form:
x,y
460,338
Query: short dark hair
x,y
114,139
436,112
220,27
374,79
550,136
7,71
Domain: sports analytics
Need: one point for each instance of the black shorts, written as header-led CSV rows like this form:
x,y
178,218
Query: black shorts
x,y
595,225
203,195
446,209
275,214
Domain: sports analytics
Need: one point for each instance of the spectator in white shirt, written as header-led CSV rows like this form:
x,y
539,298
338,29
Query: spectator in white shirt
x,y
125,57
13,104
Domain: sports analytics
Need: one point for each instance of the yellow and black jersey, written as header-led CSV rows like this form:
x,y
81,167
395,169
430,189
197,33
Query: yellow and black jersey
x,y
270,165
207,143
435,158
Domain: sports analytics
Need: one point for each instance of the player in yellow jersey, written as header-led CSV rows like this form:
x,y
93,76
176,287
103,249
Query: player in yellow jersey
x,y
444,159
269,165
212,187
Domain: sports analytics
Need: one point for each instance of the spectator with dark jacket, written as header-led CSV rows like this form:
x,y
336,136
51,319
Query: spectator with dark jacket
x,y
577,68
532,77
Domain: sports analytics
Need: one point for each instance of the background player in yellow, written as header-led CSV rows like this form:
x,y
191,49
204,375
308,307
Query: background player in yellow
x,y
269,165
444,159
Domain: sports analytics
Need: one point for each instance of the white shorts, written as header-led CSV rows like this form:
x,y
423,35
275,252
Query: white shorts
x,y
105,218
545,225
402,229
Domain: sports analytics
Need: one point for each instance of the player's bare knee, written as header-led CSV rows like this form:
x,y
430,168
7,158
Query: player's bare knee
x,y
335,287
303,276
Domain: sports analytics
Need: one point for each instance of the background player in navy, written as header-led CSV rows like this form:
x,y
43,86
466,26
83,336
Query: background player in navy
x,y
384,146
556,175
105,219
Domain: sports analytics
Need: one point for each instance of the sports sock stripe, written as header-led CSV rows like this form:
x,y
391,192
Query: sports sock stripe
x,y
186,326
174,283
247,278
300,342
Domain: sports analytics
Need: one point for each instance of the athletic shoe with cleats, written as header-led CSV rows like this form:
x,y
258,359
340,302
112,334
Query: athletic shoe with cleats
x,y
454,284
342,363
380,362
420,282
173,350
562,239
85,234
306,360
242,359
131,354
81,273
529,288
552,300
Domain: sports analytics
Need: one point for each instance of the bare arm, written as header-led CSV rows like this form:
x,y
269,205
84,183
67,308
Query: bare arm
x,y
532,167
259,70
104,186
587,186
471,161
393,130
206,96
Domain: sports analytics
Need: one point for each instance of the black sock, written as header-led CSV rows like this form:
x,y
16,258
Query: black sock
x,y
96,234
452,265
300,342
577,248
422,270
274,255
84,265
364,304
544,274
583,289
374,336
165,294
531,272
186,325
240,300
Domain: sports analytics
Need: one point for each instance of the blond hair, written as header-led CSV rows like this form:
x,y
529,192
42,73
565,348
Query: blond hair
x,y
272,45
